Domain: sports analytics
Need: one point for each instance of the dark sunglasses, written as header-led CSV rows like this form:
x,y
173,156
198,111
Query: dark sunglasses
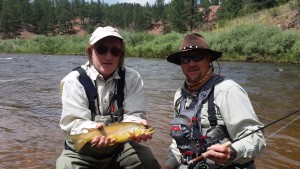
x,y
104,49
187,59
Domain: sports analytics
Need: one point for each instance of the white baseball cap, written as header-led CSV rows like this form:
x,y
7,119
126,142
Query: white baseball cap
x,y
102,32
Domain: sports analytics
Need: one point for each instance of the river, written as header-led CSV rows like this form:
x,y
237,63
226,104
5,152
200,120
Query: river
x,y
30,106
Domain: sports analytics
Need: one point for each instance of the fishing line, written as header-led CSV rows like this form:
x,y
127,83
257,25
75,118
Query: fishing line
x,y
266,126
268,136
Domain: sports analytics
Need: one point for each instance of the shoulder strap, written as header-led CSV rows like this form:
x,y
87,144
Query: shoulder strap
x,y
89,88
120,88
211,107
118,116
205,91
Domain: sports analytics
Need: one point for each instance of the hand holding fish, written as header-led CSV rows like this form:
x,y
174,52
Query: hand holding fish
x,y
102,141
142,136
114,133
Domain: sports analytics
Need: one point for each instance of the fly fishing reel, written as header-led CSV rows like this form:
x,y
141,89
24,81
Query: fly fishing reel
x,y
200,165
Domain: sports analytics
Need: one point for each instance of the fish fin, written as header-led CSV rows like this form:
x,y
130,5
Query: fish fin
x,y
132,134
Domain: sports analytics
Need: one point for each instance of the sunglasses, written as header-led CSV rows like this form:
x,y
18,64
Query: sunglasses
x,y
104,49
187,59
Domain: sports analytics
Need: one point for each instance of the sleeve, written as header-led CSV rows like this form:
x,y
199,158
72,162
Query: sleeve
x,y
240,119
134,102
76,117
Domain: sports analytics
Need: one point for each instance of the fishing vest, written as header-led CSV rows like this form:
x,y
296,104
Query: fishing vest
x,y
186,126
91,92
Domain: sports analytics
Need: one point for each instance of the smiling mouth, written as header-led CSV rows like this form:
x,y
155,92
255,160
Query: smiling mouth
x,y
106,63
192,70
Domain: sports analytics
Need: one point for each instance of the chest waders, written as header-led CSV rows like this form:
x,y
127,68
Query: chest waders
x,y
92,94
186,126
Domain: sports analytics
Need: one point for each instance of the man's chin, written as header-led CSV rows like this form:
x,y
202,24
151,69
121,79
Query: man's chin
x,y
192,80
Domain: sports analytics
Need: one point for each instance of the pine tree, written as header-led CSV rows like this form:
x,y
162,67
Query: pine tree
x,y
178,16
10,22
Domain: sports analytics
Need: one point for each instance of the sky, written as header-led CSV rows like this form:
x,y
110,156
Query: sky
x,y
142,2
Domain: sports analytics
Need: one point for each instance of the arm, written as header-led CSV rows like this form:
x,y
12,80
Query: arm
x,y
240,119
134,102
76,117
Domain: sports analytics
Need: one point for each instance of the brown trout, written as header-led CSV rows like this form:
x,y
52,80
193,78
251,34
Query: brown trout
x,y
121,132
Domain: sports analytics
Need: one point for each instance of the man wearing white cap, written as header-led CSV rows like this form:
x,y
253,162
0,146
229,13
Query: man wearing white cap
x,y
119,96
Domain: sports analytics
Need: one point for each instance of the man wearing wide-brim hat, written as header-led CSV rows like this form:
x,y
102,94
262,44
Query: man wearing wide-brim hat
x,y
209,111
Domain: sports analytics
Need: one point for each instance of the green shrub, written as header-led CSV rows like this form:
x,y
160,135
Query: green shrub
x,y
295,51
240,43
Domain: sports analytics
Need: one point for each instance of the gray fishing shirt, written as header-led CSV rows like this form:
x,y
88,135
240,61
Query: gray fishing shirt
x,y
234,110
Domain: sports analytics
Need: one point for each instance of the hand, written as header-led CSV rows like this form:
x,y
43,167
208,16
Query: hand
x,y
102,141
144,137
219,153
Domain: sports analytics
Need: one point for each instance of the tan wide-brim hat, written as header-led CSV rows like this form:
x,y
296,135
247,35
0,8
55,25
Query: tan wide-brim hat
x,y
193,41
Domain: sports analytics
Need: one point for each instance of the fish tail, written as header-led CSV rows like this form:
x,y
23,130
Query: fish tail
x,y
78,141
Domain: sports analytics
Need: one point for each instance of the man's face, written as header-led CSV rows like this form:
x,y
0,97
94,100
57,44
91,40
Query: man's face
x,y
194,65
106,55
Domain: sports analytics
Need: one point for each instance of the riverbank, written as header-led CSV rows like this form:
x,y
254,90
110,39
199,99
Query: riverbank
x,y
250,43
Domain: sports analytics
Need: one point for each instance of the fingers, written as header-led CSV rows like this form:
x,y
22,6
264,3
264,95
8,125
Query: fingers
x,y
102,141
144,122
100,125
218,153
141,137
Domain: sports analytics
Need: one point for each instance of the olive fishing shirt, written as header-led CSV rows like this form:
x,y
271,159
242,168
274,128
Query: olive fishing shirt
x,y
76,117
234,110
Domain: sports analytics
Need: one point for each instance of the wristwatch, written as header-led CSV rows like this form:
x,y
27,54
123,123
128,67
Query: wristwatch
x,y
232,154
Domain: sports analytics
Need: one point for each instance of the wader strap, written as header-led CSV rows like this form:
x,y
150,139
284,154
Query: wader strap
x,y
120,88
89,88
206,90
211,106
118,116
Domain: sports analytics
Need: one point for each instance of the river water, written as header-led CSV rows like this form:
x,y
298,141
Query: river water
x,y
30,106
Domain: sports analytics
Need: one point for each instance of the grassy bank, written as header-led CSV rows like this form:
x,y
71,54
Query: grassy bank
x,y
254,42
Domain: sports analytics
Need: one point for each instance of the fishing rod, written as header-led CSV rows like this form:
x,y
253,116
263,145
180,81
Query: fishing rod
x,y
228,143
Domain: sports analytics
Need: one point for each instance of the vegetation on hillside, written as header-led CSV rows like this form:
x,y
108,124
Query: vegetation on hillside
x,y
240,36
52,17
256,43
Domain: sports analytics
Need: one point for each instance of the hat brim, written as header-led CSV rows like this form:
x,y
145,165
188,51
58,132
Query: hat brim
x,y
175,58
98,38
